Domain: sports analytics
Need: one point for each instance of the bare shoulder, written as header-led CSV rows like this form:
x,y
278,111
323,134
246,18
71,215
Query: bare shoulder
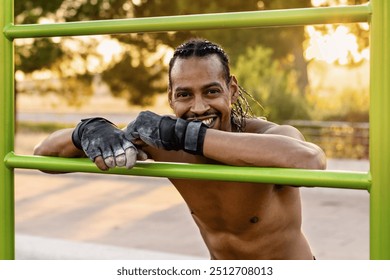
x,y
262,126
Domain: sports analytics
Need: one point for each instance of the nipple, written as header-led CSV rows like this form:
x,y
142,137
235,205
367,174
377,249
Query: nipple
x,y
254,219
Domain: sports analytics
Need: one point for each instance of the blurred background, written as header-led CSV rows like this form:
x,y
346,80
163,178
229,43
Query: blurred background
x,y
314,77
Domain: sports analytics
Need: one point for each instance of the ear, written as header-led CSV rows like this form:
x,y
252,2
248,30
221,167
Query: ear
x,y
234,90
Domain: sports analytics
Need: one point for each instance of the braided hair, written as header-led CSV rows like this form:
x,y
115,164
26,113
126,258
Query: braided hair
x,y
241,109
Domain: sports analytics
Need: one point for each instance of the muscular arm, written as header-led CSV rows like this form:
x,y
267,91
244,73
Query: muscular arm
x,y
263,144
276,146
58,144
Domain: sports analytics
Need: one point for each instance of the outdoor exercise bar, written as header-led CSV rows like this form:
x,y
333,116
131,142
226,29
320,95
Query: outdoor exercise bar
x,y
7,213
380,130
282,176
377,181
343,14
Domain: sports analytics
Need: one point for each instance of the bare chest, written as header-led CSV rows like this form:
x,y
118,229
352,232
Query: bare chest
x,y
231,206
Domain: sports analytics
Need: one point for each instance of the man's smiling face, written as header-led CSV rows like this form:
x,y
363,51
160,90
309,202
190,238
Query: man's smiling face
x,y
199,91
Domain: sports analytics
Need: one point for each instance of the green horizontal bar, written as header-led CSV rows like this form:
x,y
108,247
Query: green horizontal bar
x,y
282,176
289,17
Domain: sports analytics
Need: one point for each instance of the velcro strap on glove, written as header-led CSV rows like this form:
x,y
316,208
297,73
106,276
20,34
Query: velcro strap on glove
x,y
194,137
179,134
169,139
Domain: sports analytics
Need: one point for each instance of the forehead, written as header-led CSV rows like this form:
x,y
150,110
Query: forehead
x,y
196,70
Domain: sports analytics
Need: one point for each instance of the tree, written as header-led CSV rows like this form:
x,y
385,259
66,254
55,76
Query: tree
x,y
140,81
272,84
287,43
143,81
29,56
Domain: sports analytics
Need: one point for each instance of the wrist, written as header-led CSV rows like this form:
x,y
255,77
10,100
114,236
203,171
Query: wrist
x,y
179,134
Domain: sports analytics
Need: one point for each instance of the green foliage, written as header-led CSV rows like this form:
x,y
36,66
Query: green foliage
x,y
39,55
27,11
286,42
140,83
355,106
75,89
136,81
273,84
339,93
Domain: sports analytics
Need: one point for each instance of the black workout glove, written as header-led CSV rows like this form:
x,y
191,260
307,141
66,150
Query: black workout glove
x,y
164,132
100,137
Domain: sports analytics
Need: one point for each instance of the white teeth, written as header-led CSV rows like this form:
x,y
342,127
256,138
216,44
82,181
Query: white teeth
x,y
208,121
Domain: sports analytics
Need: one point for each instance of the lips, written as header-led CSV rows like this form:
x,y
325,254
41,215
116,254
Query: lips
x,y
207,120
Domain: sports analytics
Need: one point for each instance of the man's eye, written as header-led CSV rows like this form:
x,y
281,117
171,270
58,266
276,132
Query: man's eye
x,y
213,91
182,94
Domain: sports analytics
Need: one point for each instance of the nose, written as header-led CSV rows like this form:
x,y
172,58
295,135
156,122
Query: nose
x,y
199,106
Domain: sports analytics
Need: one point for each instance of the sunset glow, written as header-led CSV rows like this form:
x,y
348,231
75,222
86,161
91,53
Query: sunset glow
x,y
336,46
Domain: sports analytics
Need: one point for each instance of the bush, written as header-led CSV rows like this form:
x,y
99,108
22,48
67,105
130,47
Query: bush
x,y
272,83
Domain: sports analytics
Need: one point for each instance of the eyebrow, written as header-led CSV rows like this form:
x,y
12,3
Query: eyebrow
x,y
213,84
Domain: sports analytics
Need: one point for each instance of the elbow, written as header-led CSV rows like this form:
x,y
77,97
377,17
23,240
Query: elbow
x,y
316,159
43,150
311,157
38,150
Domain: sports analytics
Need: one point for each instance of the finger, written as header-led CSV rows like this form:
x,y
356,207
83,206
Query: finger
x,y
120,156
120,160
131,157
141,155
138,142
110,161
100,163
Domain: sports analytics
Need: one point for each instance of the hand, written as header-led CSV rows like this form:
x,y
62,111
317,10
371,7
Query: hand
x,y
104,143
164,132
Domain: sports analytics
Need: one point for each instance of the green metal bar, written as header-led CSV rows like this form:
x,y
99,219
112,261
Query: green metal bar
x,y
7,232
296,177
380,131
290,17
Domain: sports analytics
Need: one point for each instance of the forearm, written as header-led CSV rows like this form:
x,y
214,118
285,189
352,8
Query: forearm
x,y
267,150
58,144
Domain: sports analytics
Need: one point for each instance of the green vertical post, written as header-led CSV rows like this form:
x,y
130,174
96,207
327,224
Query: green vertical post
x,y
7,224
380,130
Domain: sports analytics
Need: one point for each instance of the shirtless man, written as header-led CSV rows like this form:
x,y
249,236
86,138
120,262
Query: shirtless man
x,y
236,220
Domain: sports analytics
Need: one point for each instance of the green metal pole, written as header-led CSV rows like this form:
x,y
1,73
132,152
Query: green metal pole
x,y
287,17
7,232
380,130
283,176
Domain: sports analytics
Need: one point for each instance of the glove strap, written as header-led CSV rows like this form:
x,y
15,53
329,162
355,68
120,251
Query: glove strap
x,y
194,137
